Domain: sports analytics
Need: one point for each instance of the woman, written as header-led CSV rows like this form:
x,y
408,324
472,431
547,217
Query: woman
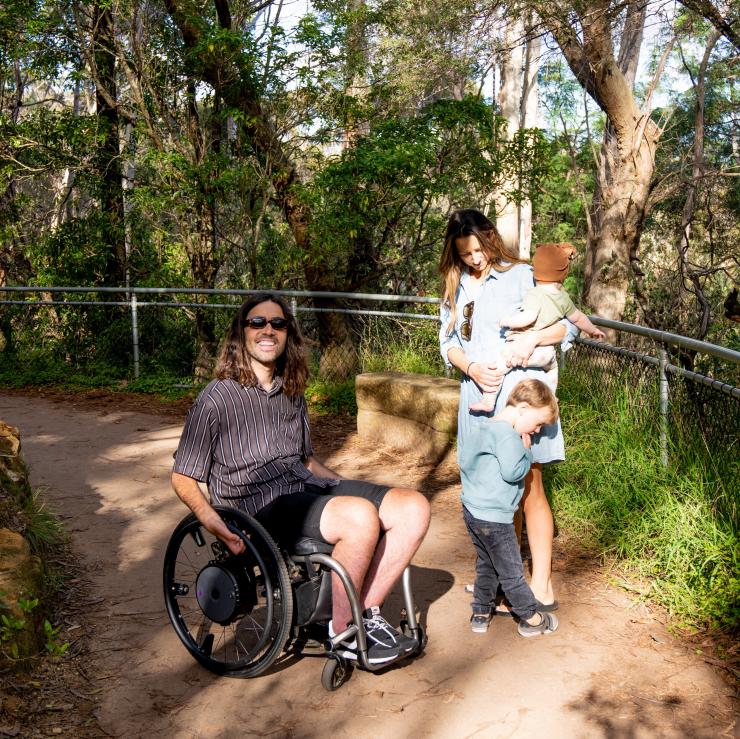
x,y
483,282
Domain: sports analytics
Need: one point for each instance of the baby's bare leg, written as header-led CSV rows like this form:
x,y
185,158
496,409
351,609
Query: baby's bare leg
x,y
488,401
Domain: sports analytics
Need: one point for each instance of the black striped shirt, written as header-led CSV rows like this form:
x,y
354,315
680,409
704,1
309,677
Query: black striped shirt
x,y
247,444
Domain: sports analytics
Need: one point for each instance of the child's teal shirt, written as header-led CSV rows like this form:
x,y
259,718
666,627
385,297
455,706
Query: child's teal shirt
x,y
493,465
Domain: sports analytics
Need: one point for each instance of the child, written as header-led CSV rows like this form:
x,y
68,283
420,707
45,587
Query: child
x,y
492,472
542,306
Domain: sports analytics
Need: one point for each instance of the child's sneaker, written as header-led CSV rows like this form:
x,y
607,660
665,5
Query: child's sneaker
x,y
479,622
548,624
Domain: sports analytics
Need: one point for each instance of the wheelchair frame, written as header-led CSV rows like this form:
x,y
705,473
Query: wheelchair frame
x,y
236,614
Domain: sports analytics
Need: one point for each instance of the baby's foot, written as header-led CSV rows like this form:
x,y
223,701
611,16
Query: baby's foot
x,y
483,405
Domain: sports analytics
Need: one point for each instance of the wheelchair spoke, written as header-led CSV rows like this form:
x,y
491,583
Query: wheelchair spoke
x,y
204,631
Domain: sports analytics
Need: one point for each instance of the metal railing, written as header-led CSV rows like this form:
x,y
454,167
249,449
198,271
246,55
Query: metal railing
x,y
685,381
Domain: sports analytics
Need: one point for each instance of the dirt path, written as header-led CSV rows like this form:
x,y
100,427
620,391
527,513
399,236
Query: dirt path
x,y
611,670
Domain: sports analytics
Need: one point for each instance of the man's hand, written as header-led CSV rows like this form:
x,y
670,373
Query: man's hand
x,y
215,524
189,492
487,376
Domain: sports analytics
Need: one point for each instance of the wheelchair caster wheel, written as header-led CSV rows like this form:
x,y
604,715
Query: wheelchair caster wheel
x,y
422,636
336,672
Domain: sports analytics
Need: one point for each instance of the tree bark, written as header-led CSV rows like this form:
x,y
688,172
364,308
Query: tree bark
x,y
109,155
518,104
628,153
690,275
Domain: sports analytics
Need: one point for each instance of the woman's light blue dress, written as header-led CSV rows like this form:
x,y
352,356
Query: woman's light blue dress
x,y
500,294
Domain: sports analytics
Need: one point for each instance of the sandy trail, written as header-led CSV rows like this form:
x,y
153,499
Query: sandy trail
x,y
611,670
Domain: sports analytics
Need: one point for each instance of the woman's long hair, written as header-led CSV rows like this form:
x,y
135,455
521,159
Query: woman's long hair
x,y
233,361
463,223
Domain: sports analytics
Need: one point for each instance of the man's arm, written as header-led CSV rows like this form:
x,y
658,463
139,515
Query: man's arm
x,y
582,321
189,492
317,468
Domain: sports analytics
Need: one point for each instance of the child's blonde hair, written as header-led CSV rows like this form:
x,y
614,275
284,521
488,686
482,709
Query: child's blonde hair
x,y
537,395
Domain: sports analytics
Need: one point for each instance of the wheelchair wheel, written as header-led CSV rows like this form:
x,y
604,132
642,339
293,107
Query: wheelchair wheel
x,y
336,672
233,613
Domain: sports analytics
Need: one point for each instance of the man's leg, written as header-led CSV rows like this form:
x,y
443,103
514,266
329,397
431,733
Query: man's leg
x,y
404,520
354,526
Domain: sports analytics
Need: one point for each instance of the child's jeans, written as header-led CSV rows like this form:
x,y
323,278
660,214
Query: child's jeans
x,y
499,562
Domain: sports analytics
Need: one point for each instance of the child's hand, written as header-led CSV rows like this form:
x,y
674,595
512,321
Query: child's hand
x,y
598,334
527,440
504,323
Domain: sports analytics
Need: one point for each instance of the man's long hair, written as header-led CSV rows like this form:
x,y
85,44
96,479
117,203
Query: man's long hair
x,y
469,222
233,361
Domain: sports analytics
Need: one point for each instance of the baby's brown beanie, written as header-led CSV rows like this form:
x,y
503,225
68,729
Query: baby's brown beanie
x,y
551,261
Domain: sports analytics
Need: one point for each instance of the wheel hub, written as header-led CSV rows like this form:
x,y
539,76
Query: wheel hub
x,y
224,591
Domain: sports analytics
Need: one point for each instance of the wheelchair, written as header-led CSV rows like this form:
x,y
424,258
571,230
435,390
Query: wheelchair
x,y
237,614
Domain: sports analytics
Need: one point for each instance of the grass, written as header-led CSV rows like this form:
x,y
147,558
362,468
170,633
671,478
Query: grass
x,y
659,526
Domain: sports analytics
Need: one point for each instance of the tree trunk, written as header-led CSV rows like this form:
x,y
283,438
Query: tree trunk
x,y
619,220
510,107
518,105
109,155
627,159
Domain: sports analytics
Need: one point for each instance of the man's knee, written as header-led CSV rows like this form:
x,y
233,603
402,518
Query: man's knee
x,y
350,518
407,508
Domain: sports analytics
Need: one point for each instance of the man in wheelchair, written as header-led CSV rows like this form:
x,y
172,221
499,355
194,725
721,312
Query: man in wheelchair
x,y
247,437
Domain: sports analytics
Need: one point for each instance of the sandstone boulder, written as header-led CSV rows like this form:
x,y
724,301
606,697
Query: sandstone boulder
x,y
415,414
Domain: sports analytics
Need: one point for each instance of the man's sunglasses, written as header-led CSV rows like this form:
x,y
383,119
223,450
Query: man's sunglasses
x,y
260,322
466,328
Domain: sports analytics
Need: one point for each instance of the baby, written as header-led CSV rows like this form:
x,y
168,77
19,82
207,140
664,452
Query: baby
x,y
543,305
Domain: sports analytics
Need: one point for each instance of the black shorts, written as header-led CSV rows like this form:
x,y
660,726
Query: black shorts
x,y
290,517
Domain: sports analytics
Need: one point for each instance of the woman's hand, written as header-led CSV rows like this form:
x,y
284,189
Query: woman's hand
x,y
520,347
486,376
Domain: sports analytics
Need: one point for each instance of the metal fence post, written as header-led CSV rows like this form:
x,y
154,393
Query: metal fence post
x,y
294,308
135,334
663,389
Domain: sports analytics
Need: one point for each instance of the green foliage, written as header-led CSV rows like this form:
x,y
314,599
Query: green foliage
x,y
383,200
10,629
395,345
44,531
52,643
326,396
659,526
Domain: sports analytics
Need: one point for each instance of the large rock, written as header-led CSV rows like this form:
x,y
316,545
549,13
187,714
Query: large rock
x,y
13,472
415,414
20,571
20,580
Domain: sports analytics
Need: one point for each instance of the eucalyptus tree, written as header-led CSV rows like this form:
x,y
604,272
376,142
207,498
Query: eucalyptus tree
x,y
362,207
601,42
